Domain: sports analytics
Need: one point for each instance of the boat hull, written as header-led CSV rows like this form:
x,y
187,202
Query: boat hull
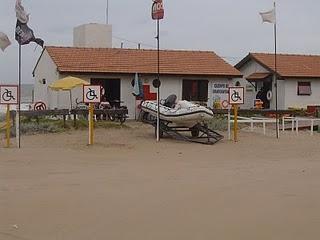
x,y
188,115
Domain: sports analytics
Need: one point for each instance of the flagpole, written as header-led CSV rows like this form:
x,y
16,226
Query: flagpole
x,y
19,101
276,72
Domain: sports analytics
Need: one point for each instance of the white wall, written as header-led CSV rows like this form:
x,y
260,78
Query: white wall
x,y
47,70
293,100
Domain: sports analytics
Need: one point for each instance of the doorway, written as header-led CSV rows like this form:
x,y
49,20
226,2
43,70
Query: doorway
x,y
112,89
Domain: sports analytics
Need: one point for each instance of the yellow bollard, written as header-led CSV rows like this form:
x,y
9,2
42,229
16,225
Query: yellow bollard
x,y
8,126
91,108
235,125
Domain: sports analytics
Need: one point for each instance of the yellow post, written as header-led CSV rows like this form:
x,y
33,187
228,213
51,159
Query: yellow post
x,y
8,126
235,125
91,106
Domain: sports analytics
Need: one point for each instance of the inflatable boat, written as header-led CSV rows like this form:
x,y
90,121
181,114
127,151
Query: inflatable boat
x,y
182,113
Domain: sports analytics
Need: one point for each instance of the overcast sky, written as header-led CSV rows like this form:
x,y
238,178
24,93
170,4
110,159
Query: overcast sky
x,y
231,28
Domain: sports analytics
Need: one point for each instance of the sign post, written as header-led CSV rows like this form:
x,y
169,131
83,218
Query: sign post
x,y
91,95
236,97
8,96
157,13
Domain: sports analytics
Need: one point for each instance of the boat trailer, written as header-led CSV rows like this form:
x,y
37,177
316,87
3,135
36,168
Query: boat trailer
x,y
200,133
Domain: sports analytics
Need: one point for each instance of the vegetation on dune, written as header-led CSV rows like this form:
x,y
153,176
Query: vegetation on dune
x,y
30,126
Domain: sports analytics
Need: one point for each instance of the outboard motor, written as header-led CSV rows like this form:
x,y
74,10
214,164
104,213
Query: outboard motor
x,y
170,101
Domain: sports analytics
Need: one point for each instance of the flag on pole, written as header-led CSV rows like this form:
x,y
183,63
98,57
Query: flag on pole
x,y
136,87
4,41
25,35
21,14
269,17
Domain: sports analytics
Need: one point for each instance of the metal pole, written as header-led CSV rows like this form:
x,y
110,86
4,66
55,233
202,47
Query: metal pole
x,y
158,94
275,74
18,131
107,13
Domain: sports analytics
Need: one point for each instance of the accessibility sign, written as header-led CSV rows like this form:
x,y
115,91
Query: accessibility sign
x,y
91,93
236,95
9,94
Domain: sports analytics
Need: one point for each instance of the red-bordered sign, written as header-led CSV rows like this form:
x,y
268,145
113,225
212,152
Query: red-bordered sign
x,y
9,94
91,93
40,106
157,10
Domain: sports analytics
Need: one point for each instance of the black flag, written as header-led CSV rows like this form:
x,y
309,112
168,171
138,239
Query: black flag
x,y
24,35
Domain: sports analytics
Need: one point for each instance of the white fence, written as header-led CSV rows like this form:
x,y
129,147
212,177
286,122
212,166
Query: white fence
x,y
295,121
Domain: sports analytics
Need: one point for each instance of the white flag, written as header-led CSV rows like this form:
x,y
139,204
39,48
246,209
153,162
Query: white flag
x,y
4,41
269,16
21,14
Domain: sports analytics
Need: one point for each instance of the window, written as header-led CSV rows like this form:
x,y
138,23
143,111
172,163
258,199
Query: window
x,y
304,88
195,90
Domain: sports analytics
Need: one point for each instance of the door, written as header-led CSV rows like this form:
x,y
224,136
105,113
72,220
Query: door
x,y
112,89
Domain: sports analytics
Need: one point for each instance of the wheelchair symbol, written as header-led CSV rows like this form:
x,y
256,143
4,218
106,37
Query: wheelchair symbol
x,y
235,96
7,96
91,95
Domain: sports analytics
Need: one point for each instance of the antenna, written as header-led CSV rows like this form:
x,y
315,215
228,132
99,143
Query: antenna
x,y
107,13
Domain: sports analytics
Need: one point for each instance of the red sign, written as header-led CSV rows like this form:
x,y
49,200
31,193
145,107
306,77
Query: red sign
x,y
157,10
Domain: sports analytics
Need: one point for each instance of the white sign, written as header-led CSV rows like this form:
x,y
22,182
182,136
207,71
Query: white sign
x,y
9,94
236,95
220,93
91,93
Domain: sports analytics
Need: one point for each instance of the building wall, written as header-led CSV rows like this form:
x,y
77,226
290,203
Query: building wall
x,y
250,92
46,70
292,99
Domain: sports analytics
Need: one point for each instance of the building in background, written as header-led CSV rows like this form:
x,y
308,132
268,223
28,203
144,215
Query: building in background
x,y
192,75
298,79
93,35
198,76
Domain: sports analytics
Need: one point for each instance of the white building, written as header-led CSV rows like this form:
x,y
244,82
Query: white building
x,y
192,75
298,79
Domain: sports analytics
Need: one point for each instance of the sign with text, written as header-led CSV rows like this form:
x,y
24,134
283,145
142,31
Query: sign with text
x,y
236,95
9,94
157,10
220,91
91,93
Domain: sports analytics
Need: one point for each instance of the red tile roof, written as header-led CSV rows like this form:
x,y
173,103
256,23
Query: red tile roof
x,y
288,65
114,60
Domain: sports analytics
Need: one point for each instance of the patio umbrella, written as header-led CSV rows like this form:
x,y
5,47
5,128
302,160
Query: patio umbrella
x,y
67,84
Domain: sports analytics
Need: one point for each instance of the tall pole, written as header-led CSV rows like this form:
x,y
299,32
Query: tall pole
x,y
18,132
276,72
107,13
158,93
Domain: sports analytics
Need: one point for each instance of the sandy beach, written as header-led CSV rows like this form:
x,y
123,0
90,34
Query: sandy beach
x,y
129,187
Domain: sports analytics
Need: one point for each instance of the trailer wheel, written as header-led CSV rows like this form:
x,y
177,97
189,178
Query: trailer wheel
x,y
195,132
